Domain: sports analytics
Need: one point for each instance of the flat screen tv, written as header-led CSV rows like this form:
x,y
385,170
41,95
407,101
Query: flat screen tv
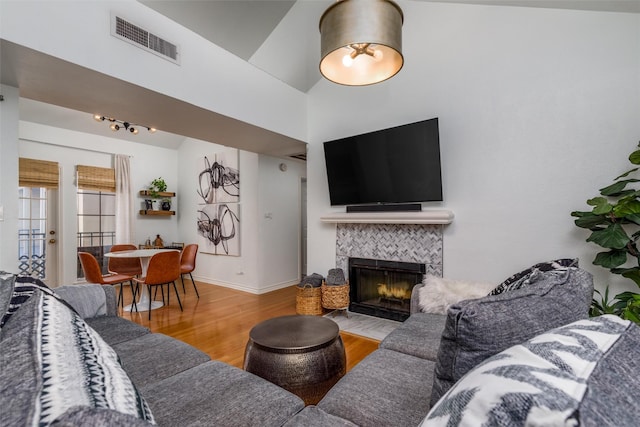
x,y
391,166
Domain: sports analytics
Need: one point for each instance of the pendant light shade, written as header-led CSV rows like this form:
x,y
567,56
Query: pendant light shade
x,y
361,41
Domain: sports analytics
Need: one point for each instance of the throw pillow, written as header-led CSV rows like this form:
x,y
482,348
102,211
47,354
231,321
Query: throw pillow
x,y
439,293
548,380
480,328
22,289
522,278
52,361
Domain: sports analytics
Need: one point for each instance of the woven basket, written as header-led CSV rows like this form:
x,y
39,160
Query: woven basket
x,y
335,297
308,300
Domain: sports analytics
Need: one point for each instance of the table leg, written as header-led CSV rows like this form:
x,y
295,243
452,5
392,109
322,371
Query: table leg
x,y
143,302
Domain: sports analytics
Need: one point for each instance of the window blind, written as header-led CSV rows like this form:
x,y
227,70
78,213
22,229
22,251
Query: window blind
x,y
38,173
95,178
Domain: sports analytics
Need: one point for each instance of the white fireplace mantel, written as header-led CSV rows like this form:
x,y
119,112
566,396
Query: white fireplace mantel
x,y
419,217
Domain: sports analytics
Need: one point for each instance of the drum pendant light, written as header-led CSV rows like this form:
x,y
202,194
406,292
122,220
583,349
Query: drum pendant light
x,y
361,41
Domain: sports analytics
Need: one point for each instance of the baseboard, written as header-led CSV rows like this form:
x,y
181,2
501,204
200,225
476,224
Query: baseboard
x,y
245,288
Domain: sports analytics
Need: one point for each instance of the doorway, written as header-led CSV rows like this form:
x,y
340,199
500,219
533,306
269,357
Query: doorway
x,y
37,228
303,227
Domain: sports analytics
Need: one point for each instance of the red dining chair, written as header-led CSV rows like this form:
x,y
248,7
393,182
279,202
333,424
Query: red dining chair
x,y
128,266
188,264
163,269
124,265
93,274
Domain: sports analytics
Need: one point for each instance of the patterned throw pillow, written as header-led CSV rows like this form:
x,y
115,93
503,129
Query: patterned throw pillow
x,y
549,380
53,361
479,328
23,289
523,278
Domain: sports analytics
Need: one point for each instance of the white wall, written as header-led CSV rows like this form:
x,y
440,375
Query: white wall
x,y
9,178
208,76
260,267
279,217
69,149
538,109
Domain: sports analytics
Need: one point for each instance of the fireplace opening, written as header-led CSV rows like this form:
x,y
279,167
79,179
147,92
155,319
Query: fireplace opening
x,y
383,288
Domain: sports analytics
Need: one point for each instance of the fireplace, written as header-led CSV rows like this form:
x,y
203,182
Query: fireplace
x,y
383,288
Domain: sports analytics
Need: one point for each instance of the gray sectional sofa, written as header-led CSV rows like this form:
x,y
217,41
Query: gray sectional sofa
x,y
136,377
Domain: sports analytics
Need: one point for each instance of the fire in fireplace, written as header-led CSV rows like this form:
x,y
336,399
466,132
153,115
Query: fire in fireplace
x,y
383,288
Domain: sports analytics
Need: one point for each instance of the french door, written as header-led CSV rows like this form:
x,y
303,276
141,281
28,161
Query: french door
x,y
37,239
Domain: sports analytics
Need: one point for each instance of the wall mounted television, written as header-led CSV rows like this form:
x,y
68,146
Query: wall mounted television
x,y
399,165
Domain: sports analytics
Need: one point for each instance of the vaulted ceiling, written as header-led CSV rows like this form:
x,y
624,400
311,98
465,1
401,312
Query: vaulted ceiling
x,y
280,37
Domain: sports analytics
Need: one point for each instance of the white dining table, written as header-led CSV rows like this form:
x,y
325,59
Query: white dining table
x,y
145,256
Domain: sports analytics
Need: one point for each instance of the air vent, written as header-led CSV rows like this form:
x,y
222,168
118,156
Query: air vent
x,y
144,39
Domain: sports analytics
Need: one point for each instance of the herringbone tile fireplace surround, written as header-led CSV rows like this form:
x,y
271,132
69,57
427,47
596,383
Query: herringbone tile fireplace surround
x,y
419,243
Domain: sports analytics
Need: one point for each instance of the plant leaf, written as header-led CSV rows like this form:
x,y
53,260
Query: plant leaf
x,y
635,157
590,221
612,237
626,173
611,259
635,218
633,274
627,207
616,187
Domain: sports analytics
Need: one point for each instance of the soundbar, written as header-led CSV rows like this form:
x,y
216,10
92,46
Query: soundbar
x,y
404,207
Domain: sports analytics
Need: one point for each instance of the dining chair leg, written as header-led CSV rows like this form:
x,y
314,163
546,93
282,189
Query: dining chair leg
x,y
182,280
149,289
133,293
194,285
120,302
177,296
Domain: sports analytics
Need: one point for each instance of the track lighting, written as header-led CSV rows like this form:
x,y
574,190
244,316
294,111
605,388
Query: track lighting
x,y
116,124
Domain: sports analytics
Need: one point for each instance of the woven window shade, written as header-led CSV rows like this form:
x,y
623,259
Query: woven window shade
x,y
38,173
95,178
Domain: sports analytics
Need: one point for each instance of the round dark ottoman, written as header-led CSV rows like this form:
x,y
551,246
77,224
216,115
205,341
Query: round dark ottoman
x,y
302,354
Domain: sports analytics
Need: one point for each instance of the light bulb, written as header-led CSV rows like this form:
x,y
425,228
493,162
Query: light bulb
x,y
347,60
377,55
114,127
152,130
133,130
98,117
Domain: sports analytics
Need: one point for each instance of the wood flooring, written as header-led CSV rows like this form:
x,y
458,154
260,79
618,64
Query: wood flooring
x,y
218,323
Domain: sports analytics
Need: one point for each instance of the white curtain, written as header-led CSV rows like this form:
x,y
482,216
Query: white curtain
x,y
124,200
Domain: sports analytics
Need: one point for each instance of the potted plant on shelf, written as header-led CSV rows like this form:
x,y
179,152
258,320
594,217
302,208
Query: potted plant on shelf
x,y
156,187
614,222
165,204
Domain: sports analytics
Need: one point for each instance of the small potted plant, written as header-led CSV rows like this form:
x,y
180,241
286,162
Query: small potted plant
x,y
165,204
156,187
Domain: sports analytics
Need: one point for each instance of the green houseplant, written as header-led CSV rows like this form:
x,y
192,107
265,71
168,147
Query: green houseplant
x,y
614,222
157,186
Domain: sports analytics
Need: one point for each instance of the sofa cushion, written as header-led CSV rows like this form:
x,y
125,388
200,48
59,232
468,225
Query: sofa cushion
x,y
154,357
522,278
52,361
115,329
477,329
89,300
219,395
386,388
418,336
572,375
97,417
312,416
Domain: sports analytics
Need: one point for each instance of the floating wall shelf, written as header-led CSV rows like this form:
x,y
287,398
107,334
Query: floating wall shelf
x,y
158,213
162,194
